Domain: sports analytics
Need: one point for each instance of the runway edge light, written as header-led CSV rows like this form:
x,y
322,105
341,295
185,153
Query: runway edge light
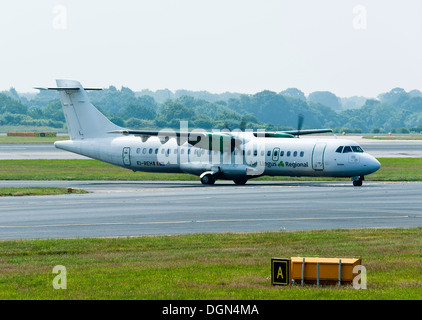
x,y
280,271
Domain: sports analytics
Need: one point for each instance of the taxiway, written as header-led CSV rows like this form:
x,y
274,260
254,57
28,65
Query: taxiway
x,y
120,208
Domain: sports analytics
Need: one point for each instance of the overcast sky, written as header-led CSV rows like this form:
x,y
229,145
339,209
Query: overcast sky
x,y
347,47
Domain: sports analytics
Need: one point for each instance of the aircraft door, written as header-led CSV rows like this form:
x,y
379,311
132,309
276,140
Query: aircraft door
x,y
276,153
126,156
318,156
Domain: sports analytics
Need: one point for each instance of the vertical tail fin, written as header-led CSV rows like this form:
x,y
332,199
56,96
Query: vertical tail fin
x,y
83,119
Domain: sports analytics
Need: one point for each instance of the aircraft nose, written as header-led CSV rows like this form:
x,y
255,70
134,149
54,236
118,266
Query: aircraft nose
x,y
373,164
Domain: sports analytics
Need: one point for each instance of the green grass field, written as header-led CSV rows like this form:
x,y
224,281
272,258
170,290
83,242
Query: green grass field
x,y
209,266
15,192
394,137
392,169
20,140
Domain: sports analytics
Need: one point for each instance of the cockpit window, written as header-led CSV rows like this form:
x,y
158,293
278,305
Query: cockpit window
x,y
347,149
339,149
357,149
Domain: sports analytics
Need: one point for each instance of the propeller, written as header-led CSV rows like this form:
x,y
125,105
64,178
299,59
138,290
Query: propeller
x,y
299,123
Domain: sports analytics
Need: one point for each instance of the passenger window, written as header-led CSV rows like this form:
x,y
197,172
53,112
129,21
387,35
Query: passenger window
x,y
269,153
255,153
339,149
295,154
302,154
347,149
150,150
288,153
138,151
281,153
156,151
144,150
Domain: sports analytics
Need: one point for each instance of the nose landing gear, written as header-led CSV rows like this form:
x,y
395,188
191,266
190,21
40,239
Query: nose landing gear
x,y
357,181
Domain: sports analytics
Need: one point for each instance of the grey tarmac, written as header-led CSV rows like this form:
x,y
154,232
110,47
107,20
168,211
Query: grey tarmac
x,y
134,208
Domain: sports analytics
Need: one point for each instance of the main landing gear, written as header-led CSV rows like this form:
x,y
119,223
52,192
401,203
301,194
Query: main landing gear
x,y
208,179
357,181
241,180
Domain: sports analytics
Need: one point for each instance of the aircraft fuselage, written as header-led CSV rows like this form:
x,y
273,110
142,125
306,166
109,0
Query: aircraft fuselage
x,y
272,156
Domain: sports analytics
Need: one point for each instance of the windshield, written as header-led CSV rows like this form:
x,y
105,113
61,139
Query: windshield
x,y
348,149
357,149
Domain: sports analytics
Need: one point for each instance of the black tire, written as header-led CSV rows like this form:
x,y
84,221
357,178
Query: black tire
x,y
357,183
208,179
241,180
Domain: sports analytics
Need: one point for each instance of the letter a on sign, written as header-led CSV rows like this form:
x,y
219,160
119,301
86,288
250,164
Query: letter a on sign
x,y
280,272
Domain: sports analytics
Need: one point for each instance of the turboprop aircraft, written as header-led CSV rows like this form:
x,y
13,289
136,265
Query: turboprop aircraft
x,y
228,155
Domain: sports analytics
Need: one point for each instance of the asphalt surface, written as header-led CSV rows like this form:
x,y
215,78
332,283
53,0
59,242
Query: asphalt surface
x,y
116,209
35,151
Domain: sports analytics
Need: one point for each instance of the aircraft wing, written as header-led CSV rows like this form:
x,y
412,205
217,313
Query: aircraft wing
x,y
66,88
289,134
310,131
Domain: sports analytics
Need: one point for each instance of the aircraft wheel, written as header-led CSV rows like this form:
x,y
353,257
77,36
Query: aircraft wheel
x,y
208,179
241,180
357,183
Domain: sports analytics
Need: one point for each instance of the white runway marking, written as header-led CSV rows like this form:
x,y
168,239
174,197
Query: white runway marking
x,y
199,221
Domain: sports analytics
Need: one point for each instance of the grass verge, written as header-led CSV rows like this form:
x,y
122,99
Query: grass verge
x,y
208,266
14,192
394,137
392,169
19,140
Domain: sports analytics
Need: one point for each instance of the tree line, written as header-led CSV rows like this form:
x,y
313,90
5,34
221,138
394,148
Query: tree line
x,y
393,111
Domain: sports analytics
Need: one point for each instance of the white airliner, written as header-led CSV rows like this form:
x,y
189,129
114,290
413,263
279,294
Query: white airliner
x,y
237,156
